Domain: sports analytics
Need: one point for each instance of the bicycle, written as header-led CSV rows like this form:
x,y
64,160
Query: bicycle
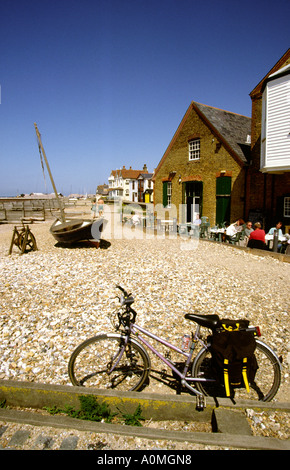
x,y
119,360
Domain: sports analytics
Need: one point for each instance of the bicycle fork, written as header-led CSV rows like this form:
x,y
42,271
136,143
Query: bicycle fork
x,y
118,356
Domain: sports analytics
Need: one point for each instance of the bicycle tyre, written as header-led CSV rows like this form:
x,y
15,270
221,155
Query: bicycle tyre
x,y
265,386
91,361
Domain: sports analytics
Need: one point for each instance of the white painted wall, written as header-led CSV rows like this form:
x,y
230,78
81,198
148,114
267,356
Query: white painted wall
x,y
275,138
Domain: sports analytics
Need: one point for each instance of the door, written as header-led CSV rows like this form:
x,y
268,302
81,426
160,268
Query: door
x,y
193,200
223,199
192,208
140,190
223,209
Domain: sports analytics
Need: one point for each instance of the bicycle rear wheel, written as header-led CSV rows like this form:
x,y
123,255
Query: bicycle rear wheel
x,y
265,386
91,362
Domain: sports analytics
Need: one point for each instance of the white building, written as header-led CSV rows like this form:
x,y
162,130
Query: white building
x,y
131,185
275,137
145,187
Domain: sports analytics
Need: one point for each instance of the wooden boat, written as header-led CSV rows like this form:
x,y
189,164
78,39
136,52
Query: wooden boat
x,y
70,230
75,230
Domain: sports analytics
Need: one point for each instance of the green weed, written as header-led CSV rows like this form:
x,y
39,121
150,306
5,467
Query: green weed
x,y
133,419
92,410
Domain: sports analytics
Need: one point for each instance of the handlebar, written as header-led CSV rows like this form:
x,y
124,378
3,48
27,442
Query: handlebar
x,y
129,315
126,299
122,289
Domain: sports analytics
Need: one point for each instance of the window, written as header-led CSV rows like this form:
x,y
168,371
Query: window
x,y
167,193
194,149
286,206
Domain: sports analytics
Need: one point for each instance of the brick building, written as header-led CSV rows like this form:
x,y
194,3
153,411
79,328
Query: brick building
x,y
218,165
203,166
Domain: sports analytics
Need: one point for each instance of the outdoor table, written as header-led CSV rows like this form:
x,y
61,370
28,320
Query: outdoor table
x,y
217,233
166,224
270,238
189,229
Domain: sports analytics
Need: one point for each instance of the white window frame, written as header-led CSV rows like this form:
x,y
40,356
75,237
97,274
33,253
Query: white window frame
x,y
194,149
286,206
169,193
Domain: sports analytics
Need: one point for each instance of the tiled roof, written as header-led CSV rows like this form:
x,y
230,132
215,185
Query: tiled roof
x,y
146,176
233,128
127,174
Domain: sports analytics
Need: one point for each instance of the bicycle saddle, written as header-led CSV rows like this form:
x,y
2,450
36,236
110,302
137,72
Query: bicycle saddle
x,y
208,321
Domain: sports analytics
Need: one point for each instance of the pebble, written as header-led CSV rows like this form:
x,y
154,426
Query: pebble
x,y
54,298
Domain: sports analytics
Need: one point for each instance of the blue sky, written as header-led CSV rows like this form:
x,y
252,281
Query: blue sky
x,y
108,82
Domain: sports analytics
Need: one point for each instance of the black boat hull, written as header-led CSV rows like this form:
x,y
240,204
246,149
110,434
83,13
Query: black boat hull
x,y
76,230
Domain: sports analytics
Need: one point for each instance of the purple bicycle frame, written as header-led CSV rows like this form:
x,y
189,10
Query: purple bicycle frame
x,y
184,379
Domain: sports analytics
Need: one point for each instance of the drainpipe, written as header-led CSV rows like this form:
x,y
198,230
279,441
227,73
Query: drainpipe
x,y
275,241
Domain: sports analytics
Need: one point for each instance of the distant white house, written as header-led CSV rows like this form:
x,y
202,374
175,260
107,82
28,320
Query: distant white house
x,y
131,185
145,187
275,136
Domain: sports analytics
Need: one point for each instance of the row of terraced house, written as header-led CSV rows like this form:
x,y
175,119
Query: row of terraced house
x,y
223,165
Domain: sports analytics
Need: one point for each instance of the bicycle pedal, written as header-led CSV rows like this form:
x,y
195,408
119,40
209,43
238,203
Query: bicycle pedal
x,y
200,402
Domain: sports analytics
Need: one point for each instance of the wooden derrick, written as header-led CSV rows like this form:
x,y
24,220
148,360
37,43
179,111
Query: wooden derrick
x,y
24,239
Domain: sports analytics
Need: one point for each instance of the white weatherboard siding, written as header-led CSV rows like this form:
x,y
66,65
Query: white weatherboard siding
x,y
275,139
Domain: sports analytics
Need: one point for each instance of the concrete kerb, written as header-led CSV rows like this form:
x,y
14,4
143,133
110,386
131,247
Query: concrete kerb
x,y
154,406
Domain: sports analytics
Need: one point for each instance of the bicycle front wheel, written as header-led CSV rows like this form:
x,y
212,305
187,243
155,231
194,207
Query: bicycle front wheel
x,y
100,363
267,379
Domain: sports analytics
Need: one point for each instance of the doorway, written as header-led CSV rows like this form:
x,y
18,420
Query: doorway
x,y
223,199
223,209
192,200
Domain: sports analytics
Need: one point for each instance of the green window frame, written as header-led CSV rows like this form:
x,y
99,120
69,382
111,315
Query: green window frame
x,y
167,193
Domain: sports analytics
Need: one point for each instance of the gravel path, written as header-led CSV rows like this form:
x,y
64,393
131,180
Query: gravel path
x,y
54,298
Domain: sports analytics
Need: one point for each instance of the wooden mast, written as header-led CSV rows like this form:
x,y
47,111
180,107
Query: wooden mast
x,y
62,216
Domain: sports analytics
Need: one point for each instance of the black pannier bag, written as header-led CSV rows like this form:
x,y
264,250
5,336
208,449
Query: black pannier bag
x,y
233,354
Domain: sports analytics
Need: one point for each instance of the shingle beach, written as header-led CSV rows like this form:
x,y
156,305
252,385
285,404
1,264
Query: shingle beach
x,y
55,297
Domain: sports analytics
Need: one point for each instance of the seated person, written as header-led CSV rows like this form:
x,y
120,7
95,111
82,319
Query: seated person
x,y
234,228
248,230
257,237
278,227
280,233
